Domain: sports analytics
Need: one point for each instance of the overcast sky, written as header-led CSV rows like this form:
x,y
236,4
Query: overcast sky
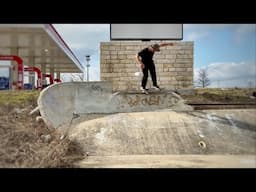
x,y
228,51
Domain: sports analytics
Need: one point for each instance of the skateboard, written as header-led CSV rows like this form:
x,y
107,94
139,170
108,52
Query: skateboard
x,y
151,90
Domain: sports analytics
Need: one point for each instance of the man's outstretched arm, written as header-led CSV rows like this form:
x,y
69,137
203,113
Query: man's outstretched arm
x,y
166,44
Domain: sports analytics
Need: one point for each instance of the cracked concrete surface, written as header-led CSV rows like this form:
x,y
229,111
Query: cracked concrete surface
x,y
157,130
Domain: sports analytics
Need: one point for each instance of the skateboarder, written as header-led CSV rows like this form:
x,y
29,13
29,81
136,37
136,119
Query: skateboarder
x,y
145,61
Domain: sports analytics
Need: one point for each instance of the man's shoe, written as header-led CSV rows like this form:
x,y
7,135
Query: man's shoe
x,y
144,90
157,88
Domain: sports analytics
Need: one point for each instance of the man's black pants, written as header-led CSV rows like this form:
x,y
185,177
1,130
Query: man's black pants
x,y
152,70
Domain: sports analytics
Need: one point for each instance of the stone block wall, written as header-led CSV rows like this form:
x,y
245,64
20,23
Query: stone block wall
x,y
174,64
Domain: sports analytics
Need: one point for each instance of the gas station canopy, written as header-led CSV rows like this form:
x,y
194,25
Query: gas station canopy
x,y
38,45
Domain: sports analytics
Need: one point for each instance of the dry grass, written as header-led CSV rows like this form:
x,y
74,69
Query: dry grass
x,y
23,140
23,143
208,95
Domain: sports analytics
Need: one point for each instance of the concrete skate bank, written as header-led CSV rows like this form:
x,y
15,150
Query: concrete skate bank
x,y
168,139
169,132
61,103
157,130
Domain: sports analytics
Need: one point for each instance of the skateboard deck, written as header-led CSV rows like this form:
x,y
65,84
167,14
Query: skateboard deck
x,y
151,90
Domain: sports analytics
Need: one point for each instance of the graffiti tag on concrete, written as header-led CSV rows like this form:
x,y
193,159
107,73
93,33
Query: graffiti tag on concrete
x,y
97,88
156,100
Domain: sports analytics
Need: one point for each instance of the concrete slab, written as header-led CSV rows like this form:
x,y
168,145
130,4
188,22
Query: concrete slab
x,y
169,161
168,132
61,103
156,130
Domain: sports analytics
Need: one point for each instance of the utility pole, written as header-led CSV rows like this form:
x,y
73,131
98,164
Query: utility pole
x,y
88,65
250,84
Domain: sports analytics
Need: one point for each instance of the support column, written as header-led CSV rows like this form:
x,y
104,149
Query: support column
x,y
31,77
14,66
52,70
43,61
58,75
31,60
54,63
10,77
44,82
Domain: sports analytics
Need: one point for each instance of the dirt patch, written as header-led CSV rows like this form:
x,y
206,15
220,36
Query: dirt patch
x,y
26,143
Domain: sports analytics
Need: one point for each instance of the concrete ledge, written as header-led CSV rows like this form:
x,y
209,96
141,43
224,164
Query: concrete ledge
x,y
61,103
169,161
186,91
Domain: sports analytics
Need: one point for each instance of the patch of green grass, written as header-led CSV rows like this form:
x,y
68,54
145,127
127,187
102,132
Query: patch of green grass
x,y
14,97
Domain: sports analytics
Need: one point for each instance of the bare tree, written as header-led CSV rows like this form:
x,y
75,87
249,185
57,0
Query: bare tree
x,y
76,77
203,79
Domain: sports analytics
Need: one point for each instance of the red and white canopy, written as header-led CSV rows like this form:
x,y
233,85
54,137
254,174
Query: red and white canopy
x,y
38,45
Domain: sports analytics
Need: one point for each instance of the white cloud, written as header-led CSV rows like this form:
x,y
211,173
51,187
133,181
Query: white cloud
x,y
94,75
242,30
230,74
83,28
196,35
210,27
84,39
83,35
205,26
197,31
